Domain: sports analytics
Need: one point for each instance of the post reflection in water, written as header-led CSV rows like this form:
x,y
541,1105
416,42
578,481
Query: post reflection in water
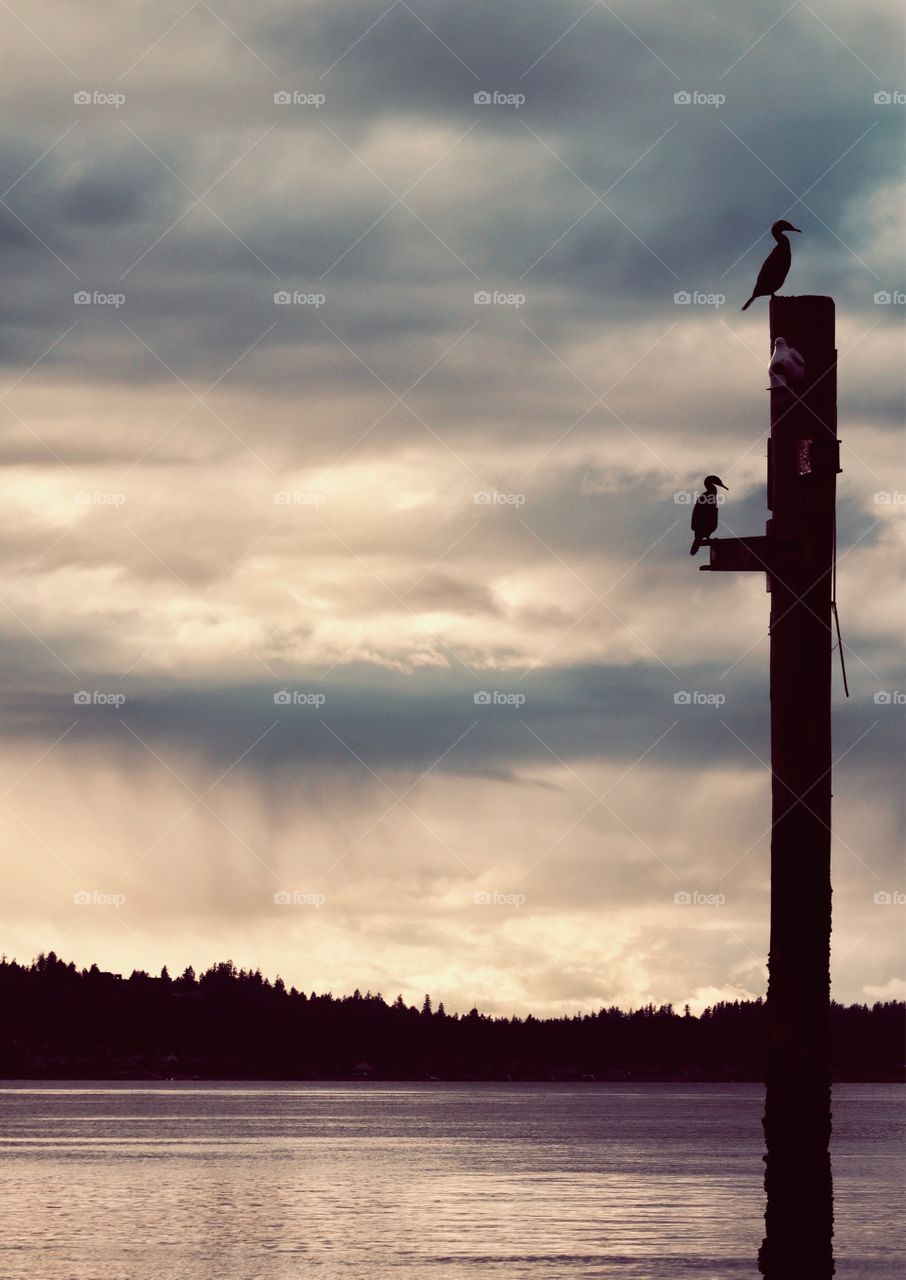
x,y
799,1215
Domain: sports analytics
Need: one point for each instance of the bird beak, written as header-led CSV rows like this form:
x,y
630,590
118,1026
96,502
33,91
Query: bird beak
x,y
723,486
795,229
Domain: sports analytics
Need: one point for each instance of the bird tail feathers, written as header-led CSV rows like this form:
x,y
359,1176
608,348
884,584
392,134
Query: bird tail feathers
x,y
695,546
746,305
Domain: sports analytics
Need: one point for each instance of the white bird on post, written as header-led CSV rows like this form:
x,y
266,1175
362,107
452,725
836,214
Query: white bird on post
x,y
787,366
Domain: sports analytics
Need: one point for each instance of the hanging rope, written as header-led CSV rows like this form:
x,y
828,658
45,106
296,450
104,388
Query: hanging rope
x,y
839,644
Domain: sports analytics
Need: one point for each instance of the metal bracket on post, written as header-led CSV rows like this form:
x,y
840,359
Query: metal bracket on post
x,y
749,555
762,553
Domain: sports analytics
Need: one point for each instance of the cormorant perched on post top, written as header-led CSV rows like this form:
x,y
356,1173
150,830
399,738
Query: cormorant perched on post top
x,y
775,266
704,513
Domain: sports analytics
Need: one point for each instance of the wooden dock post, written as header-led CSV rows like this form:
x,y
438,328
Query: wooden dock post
x,y
798,553
797,1122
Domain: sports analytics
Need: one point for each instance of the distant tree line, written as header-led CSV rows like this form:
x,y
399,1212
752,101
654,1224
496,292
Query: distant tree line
x,y
60,1021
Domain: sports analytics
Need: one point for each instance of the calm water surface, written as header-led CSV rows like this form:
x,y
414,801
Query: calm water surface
x,y
202,1181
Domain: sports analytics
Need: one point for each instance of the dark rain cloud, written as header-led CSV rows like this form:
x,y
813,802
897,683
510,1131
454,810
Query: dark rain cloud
x,y
680,216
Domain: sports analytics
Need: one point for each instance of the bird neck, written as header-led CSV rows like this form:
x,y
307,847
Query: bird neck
x,y
780,237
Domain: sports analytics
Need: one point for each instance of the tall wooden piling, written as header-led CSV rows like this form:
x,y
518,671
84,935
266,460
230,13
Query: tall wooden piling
x,y
797,553
803,465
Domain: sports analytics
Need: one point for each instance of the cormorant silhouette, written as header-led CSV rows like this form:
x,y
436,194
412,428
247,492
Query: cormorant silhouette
x,y
775,266
704,513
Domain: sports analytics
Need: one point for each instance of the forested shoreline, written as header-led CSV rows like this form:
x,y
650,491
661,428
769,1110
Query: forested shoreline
x,y
227,1023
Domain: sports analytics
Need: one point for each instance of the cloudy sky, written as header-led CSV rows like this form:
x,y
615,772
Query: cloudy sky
x,y
281,498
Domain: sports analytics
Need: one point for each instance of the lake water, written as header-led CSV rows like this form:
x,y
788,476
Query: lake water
x,y
198,1181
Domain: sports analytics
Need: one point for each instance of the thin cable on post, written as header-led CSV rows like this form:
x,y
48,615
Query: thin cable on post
x,y
839,644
